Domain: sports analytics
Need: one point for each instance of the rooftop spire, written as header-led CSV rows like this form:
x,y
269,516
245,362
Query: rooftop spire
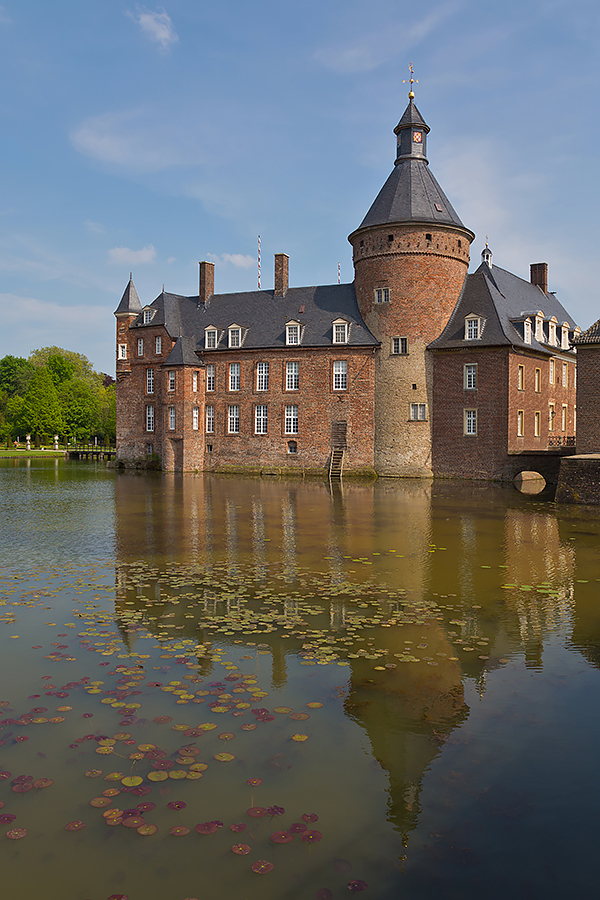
x,y
130,302
411,81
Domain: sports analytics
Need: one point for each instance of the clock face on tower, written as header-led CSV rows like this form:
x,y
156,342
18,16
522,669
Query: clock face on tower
x,y
417,137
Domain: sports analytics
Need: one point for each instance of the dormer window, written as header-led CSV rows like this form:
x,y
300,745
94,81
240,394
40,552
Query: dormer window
x,y
527,331
292,333
340,332
564,337
552,331
148,315
382,295
210,338
539,327
235,336
473,328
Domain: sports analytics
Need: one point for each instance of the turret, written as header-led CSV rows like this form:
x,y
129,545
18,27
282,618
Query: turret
x,y
127,310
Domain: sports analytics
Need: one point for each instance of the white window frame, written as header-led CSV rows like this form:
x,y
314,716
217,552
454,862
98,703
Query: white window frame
x,y
340,332
234,376
170,380
262,376
551,416
539,328
399,346
158,345
292,334
527,331
537,424
122,351
171,412
261,419
140,346
382,295
292,376
470,377
210,419
472,328
552,332
520,423
210,338
521,378
148,316
233,419
194,381
149,381
291,423
417,412
564,336
340,375
565,375
150,418
551,372
195,418
235,336
537,381
210,377
563,417
470,422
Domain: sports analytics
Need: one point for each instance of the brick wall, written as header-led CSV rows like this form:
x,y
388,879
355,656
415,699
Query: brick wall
x,y
588,398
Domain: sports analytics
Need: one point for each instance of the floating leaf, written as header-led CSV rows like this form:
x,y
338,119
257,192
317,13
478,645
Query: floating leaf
x,y
254,782
357,886
15,834
131,780
176,804
256,812
224,757
178,774
158,776
206,828
134,821
43,782
237,827
314,705
226,736
311,837
298,717
77,825
282,709
309,817
93,773
241,849
297,828
299,737
100,802
282,837
261,867
146,829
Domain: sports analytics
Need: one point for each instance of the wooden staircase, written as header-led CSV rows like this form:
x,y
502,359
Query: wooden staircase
x,y
336,463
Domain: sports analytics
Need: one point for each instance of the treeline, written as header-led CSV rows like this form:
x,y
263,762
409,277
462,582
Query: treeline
x,y
55,391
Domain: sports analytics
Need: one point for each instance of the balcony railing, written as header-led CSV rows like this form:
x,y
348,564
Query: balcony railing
x,y
561,440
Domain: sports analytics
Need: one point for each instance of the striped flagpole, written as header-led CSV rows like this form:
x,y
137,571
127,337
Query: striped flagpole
x,y
339,273
259,262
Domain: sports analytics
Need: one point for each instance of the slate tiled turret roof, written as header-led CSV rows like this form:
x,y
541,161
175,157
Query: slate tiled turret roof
x,y
130,302
503,301
262,316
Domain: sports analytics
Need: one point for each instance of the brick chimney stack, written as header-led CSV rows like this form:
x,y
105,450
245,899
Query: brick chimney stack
x,y
282,274
207,282
539,275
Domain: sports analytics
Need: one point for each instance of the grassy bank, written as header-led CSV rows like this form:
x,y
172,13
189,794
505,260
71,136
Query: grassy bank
x,y
20,454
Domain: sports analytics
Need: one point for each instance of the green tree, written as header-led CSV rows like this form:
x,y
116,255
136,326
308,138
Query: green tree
x,y
13,412
82,367
60,369
41,413
107,419
15,375
80,408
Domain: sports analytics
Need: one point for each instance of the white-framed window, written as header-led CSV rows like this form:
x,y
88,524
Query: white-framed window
x,y
210,377
260,419
537,424
234,376
538,381
472,328
340,375
340,332
210,420
235,336
418,412
399,346
140,347
291,419
262,376
563,418
122,351
552,331
171,381
233,419
521,378
527,331
539,327
382,295
194,381
551,416
171,418
292,333
149,418
195,417
470,421
520,422
292,376
551,372
158,345
210,338
565,375
564,336
149,381
470,377
148,314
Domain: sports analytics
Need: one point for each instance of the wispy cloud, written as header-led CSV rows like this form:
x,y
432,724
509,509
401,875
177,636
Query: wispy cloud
x,y
238,260
120,256
94,227
156,26
374,48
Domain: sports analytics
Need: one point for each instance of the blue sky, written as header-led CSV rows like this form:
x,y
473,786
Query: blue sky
x,y
146,138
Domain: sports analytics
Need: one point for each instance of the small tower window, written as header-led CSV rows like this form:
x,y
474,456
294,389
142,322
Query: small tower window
x,y
210,338
527,331
428,237
235,336
473,328
148,313
292,333
340,332
122,351
399,346
382,295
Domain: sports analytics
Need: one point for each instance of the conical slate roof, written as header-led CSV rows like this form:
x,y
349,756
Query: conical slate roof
x,y
411,116
130,302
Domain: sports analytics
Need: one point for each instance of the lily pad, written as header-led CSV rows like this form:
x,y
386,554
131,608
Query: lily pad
x,y
241,849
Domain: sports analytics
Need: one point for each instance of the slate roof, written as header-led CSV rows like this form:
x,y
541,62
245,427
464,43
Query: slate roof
x,y
262,318
591,336
130,301
503,300
412,116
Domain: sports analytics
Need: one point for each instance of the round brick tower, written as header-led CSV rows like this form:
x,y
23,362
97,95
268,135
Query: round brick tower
x,y
411,254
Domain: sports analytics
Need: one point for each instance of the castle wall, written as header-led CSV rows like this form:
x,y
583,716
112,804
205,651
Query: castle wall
x,y
588,398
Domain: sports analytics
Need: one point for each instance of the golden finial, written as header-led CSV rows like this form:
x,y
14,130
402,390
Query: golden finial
x,y
411,81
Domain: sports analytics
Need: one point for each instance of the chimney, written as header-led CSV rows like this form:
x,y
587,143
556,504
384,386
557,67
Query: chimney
x,y
539,275
207,282
282,274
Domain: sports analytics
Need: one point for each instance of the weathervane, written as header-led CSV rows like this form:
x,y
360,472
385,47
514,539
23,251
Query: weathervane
x,y
411,81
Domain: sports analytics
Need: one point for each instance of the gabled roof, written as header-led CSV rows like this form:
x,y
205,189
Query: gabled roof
x,y
264,316
499,297
130,302
183,353
591,336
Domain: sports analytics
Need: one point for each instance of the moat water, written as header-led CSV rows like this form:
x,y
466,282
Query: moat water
x,y
387,688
